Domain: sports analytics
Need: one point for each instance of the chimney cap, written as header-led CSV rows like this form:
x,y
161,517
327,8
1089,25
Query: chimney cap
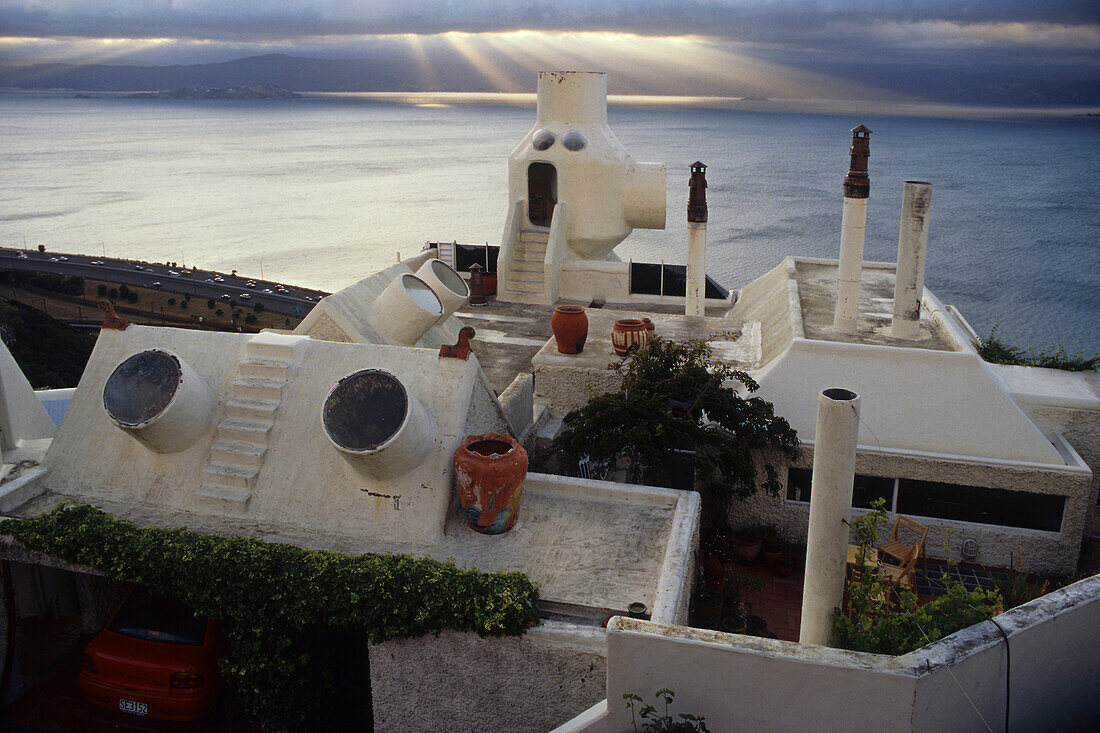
x,y
698,165
858,129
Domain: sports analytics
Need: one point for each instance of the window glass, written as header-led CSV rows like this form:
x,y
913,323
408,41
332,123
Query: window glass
x,y
158,619
869,488
981,505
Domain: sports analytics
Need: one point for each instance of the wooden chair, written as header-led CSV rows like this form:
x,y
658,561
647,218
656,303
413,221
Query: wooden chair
x,y
898,549
901,574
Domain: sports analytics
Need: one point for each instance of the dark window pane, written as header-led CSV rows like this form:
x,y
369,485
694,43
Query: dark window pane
x,y
868,488
981,505
158,619
798,484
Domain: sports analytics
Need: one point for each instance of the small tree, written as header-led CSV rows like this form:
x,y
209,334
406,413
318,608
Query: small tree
x,y
674,396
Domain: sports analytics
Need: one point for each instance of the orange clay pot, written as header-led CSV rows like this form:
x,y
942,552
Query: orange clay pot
x,y
570,326
489,474
629,335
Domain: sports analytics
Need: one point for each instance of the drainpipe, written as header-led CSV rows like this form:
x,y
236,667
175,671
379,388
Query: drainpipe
x,y
857,187
830,511
916,206
695,303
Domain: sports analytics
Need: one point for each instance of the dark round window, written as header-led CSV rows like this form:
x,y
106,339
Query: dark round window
x,y
141,387
365,409
543,140
574,141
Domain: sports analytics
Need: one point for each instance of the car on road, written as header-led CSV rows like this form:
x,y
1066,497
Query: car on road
x,y
155,659
138,267
245,296
219,279
209,280
173,273
97,262
267,290
281,289
226,296
156,284
250,284
63,257
53,259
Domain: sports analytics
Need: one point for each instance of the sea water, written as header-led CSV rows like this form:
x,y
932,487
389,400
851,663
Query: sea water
x,y
322,191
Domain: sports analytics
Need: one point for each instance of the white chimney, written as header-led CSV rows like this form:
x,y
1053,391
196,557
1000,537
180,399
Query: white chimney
x,y
857,187
916,210
695,302
830,510
405,310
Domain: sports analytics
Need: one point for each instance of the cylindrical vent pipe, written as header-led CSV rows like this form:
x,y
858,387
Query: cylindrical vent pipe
x,y
916,210
446,283
857,187
830,510
159,400
405,310
577,96
695,304
377,425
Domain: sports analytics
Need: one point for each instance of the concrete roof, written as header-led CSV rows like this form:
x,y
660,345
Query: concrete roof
x,y
931,395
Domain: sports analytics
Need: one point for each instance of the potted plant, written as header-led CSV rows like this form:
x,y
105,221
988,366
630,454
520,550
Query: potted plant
x,y
737,608
784,566
771,548
746,544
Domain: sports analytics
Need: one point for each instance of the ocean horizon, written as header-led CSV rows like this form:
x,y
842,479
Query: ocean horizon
x,y
324,190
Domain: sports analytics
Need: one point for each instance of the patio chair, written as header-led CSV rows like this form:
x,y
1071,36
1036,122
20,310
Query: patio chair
x,y
898,549
901,574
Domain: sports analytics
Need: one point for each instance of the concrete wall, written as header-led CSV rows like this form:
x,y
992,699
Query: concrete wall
x,y
1045,552
461,682
744,683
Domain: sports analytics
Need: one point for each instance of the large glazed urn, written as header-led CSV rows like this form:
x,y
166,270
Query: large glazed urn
x,y
570,326
629,335
489,473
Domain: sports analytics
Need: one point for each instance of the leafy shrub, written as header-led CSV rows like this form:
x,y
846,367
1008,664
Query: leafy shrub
x,y
112,293
171,301
274,599
674,396
249,318
259,307
50,353
210,303
664,723
219,313
996,351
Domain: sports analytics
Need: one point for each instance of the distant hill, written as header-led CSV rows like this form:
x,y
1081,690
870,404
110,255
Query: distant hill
x,y
399,71
272,70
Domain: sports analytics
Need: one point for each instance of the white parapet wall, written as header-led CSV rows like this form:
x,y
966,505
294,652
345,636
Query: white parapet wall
x,y
963,682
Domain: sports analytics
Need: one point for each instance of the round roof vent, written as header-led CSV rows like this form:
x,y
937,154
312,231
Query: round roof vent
x,y
141,388
542,140
365,410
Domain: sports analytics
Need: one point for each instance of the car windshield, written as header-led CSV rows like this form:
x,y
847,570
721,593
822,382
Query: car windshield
x,y
158,619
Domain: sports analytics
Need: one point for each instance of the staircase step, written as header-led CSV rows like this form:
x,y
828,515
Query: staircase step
x,y
240,431
264,368
523,286
528,267
519,276
237,455
251,410
531,235
259,389
273,346
225,496
529,255
229,477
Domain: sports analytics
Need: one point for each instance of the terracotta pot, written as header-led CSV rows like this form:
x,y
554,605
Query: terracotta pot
x,y
570,326
489,474
648,325
746,548
784,566
733,624
629,334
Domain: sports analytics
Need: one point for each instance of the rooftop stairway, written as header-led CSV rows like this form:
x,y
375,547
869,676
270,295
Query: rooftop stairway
x,y
241,438
527,279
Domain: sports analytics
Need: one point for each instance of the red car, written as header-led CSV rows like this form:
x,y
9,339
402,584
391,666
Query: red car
x,y
156,659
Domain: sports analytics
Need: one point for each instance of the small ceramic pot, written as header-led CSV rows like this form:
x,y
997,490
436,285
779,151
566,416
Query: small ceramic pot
x,y
570,326
489,473
629,335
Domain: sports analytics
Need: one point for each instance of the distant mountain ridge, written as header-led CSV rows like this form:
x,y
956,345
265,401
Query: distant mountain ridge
x,y
399,71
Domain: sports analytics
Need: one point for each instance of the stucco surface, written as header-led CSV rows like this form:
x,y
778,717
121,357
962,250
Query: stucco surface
x,y
1046,552
460,682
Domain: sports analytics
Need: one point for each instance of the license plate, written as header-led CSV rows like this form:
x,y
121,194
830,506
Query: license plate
x,y
136,708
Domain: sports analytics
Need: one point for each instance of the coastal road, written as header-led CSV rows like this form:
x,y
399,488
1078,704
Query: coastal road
x,y
278,298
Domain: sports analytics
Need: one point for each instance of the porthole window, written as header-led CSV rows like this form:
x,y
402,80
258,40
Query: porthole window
x,y
140,388
365,409
574,141
543,140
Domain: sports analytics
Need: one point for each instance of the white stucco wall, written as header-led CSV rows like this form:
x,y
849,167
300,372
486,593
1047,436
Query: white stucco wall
x,y
745,683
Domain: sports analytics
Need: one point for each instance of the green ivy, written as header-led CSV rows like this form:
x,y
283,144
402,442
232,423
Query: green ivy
x,y
274,598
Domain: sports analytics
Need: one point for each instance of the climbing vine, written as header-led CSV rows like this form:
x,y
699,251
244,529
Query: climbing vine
x,y
274,598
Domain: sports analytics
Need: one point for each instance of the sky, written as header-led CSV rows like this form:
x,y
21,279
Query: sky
x,y
853,48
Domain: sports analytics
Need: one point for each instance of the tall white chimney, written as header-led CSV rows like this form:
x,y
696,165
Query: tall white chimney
x,y
695,303
916,210
857,187
830,510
